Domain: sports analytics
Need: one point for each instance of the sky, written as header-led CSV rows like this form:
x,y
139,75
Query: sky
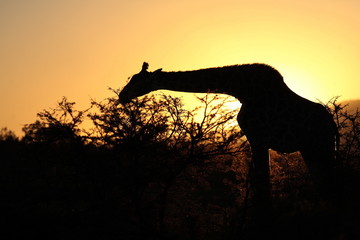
x,y
79,48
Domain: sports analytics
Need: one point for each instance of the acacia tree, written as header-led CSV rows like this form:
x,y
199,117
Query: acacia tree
x,y
7,135
348,124
59,124
214,134
166,147
164,120
157,148
141,120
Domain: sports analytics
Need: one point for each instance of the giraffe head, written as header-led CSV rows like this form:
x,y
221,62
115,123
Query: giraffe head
x,y
139,84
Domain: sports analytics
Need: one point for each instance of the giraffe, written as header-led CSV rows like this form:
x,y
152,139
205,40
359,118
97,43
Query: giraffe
x,y
272,116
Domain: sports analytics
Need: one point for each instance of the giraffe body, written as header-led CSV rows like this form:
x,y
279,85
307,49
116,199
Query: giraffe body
x,y
272,116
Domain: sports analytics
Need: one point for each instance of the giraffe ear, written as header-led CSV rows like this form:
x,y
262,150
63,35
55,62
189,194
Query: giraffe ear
x,y
157,71
145,66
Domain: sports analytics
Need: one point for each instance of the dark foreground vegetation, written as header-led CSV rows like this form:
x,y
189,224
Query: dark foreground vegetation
x,y
148,170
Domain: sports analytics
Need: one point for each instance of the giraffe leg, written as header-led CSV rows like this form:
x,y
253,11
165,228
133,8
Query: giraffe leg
x,y
260,180
320,162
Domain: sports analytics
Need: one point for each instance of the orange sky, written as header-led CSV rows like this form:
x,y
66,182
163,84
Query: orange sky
x,y
78,48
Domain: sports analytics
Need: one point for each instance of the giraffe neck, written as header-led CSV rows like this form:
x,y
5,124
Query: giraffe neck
x,y
199,81
247,82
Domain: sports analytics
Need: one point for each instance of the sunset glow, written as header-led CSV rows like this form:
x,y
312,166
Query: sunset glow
x,y
78,48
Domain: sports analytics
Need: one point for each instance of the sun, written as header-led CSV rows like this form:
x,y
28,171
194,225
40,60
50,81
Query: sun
x,y
300,81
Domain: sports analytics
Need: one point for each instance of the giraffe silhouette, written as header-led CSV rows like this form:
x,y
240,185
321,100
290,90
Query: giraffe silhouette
x,y
272,116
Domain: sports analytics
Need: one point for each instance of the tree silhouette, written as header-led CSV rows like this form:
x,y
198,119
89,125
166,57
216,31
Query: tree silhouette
x,y
7,135
159,141
164,120
348,123
60,124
